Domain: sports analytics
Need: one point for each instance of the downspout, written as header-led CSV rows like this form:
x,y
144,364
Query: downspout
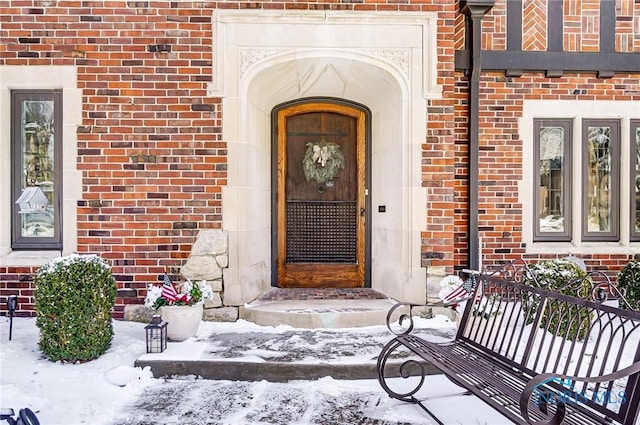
x,y
475,11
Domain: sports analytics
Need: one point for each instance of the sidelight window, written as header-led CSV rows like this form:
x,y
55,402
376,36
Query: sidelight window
x,y
553,191
600,180
635,180
36,141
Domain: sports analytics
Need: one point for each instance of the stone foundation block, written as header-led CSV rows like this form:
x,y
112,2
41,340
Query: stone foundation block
x,y
214,302
223,314
138,313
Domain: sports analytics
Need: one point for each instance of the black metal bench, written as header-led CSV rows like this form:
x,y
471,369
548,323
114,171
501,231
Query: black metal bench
x,y
544,358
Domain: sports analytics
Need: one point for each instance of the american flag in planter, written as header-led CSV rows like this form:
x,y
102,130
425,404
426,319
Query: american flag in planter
x,y
169,291
462,292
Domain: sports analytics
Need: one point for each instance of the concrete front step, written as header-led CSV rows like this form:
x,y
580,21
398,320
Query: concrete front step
x,y
296,334
248,352
338,313
271,371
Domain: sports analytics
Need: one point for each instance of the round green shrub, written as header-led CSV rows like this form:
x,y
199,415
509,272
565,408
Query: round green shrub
x,y
629,281
562,276
74,297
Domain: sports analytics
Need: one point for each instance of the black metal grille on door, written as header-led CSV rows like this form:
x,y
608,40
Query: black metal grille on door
x,y
321,232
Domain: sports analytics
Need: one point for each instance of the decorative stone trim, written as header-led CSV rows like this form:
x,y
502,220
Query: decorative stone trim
x,y
248,57
209,255
399,58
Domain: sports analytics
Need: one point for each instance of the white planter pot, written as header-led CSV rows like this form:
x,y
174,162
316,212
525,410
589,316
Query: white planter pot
x,y
183,320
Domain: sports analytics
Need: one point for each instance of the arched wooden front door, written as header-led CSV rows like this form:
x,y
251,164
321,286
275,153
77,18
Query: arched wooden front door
x,y
320,195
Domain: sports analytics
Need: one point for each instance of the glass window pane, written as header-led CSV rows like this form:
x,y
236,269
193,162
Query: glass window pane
x,y
636,138
552,185
36,201
599,201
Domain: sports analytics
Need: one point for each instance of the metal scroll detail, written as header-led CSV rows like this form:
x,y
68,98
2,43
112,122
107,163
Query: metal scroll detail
x,y
403,325
409,368
515,271
595,286
405,372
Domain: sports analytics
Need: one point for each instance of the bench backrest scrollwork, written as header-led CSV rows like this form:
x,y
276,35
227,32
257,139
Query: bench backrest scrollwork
x,y
536,330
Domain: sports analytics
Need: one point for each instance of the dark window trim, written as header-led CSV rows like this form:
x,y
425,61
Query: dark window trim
x,y
19,242
564,236
534,61
555,26
608,26
614,233
514,29
634,235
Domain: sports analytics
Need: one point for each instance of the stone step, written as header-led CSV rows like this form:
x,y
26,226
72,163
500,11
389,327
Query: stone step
x,y
338,313
318,307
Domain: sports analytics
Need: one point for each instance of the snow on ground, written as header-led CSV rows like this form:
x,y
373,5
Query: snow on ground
x,y
110,391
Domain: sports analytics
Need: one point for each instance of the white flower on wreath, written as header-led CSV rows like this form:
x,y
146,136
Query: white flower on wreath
x,y
320,155
448,284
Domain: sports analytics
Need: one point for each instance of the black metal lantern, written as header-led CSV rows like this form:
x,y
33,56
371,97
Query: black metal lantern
x,y
156,335
12,306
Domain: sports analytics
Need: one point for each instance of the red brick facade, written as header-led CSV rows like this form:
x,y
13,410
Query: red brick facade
x,y
501,155
150,146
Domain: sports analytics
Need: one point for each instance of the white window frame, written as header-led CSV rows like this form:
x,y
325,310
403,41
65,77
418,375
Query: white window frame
x,y
41,78
633,201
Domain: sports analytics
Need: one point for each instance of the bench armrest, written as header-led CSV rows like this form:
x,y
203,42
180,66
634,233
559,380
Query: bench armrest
x,y
558,417
404,317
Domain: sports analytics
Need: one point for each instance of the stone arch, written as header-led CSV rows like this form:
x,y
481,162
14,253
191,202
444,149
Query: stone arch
x,y
265,72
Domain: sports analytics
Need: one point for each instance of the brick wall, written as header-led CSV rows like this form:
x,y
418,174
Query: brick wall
x,y
501,155
18,281
150,148
501,158
438,149
581,27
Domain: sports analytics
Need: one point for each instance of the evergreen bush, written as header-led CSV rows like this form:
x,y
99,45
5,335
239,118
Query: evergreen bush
x,y
562,276
74,297
629,281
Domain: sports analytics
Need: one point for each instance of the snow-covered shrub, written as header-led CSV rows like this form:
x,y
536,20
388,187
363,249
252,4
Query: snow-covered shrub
x,y
629,281
74,297
562,276
488,306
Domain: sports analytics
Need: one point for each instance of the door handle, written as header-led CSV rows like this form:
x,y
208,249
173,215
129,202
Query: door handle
x,y
362,212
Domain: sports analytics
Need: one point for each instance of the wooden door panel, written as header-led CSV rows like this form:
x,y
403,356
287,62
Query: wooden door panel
x,y
320,276
321,229
315,127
